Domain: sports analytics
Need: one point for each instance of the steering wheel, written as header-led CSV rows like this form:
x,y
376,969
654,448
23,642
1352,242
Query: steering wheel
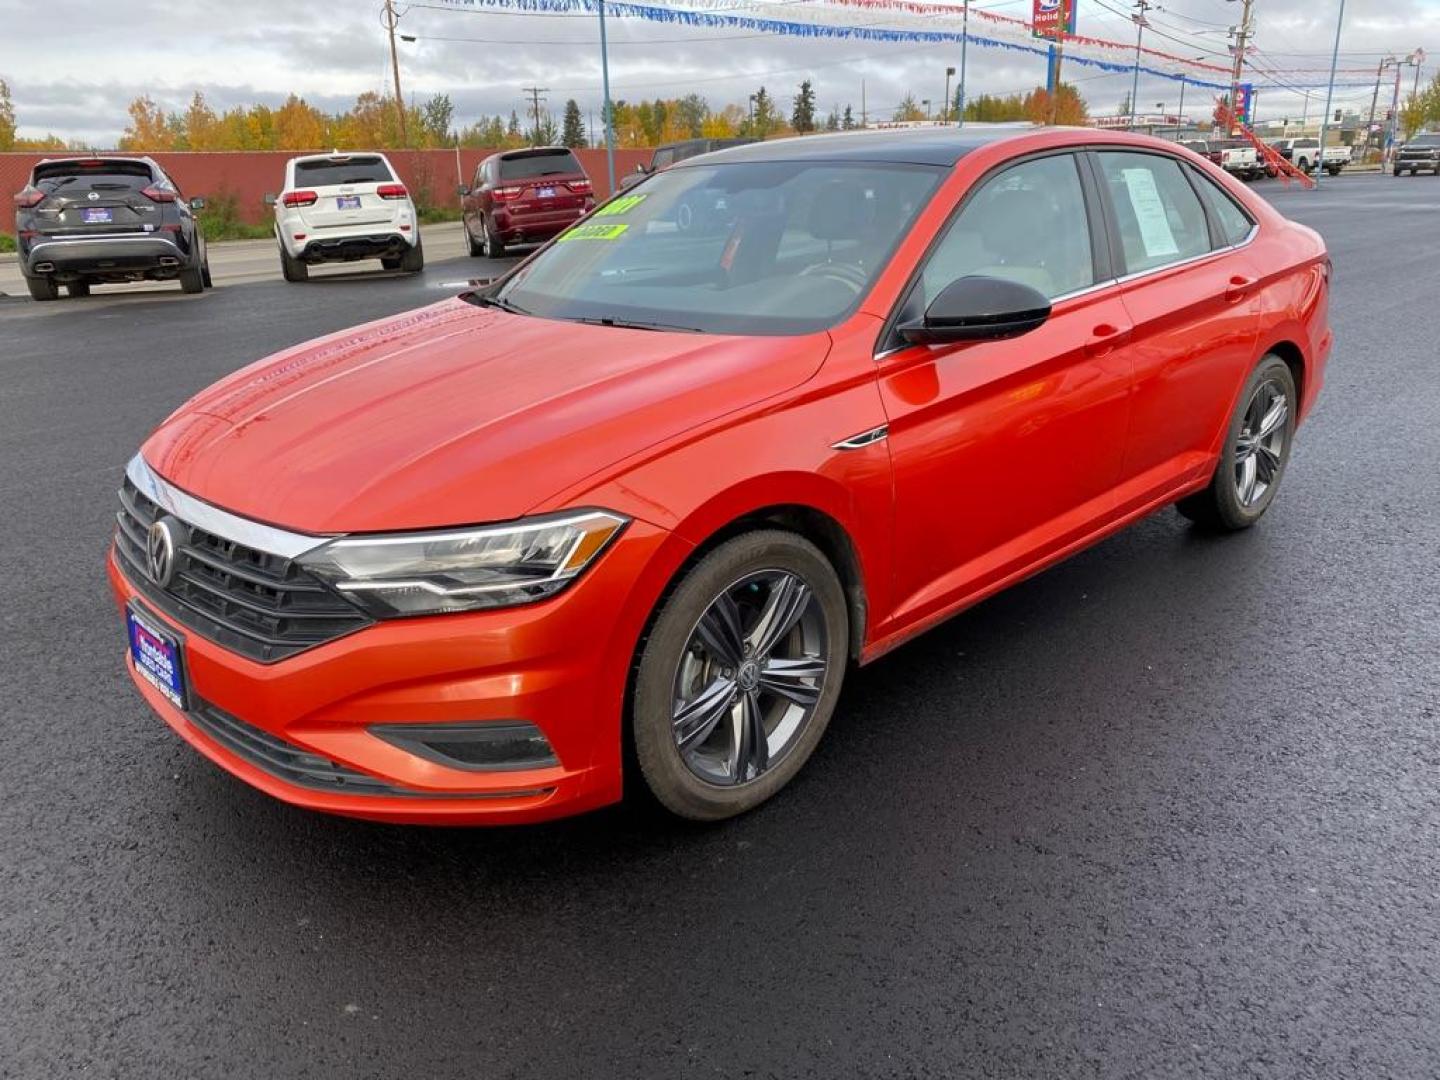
x,y
848,274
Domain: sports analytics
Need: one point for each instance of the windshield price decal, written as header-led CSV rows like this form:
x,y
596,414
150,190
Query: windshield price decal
x,y
622,205
594,232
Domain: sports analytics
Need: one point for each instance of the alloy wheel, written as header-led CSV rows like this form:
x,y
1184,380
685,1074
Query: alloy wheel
x,y
1260,447
750,677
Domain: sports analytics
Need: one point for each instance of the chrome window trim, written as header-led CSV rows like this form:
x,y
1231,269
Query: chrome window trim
x,y
221,523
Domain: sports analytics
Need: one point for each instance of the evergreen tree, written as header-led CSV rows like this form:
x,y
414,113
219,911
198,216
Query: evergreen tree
x,y
802,118
572,133
763,119
847,119
832,121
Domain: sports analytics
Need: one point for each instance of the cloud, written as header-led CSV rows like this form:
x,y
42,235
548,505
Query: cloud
x,y
77,74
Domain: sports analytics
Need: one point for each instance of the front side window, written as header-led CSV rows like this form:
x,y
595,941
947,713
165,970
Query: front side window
x,y
1027,224
1158,213
786,247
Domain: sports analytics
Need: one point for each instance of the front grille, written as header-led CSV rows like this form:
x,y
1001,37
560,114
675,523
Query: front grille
x,y
286,761
260,605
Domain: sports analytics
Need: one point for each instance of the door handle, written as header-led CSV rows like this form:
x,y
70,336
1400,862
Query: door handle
x,y
1238,287
1105,337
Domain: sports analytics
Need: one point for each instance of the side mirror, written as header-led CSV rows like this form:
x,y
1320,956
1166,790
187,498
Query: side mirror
x,y
197,203
978,308
463,190
270,199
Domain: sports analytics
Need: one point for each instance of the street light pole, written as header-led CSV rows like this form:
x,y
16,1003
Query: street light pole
x,y
945,114
1375,99
1180,116
1329,95
964,43
609,111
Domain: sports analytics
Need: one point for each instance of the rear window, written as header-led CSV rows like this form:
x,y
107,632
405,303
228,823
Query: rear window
x,y
544,163
354,170
97,175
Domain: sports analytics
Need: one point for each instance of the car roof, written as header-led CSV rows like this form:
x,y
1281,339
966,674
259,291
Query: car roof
x,y
902,146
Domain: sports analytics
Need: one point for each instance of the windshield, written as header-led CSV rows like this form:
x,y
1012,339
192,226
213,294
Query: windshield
x,y
1431,138
745,248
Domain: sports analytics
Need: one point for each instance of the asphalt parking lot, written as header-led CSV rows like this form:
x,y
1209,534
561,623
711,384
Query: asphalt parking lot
x,y
1166,810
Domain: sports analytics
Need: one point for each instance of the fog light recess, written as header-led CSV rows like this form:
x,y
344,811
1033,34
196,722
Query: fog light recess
x,y
493,745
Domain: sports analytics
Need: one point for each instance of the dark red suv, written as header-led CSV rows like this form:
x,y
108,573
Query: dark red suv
x,y
524,197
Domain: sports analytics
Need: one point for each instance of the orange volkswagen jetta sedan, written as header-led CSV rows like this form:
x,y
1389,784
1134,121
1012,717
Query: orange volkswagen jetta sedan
x,y
661,487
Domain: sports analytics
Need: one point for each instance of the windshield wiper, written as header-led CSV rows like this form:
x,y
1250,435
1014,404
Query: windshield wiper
x,y
636,324
501,303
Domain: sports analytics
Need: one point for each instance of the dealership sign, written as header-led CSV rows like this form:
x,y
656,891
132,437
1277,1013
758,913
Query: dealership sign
x,y
1045,17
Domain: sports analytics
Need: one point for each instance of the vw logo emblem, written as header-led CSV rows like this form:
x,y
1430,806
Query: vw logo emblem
x,y
160,551
93,196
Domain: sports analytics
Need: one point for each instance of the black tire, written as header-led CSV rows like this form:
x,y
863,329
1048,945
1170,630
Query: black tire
x,y
1304,165
494,246
1396,172
43,288
674,784
292,269
473,247
1219,507
78,289
192,280
1333,170
413,261
205,274
391,264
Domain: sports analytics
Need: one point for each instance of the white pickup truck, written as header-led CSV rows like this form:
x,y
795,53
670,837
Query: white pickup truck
x,y
1305,155
1237,156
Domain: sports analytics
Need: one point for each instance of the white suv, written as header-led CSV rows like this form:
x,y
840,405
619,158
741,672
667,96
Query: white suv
x,y
341,207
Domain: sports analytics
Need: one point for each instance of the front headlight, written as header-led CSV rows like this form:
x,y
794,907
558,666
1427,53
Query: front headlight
x,y
464,569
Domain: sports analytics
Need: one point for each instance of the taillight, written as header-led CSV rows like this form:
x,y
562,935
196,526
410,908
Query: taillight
x,y
392,191
299,198
508,192
29,197
578,185
158,194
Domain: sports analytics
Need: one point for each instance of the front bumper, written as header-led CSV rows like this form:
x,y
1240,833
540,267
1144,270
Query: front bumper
x,y
561,664
104,255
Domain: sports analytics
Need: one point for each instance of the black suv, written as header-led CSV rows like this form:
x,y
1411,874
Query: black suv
x,y
669,153
1421,152
87,221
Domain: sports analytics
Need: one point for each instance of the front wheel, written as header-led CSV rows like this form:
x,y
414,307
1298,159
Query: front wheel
x,y
740,674
1256,451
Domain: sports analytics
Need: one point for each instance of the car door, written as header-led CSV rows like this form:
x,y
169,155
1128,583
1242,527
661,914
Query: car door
x,y
1005,452
1189,288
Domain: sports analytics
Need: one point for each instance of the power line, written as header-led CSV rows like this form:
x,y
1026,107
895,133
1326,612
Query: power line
x,y
536,99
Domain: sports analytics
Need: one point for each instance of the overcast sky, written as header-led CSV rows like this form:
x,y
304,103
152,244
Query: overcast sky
x,y
73,71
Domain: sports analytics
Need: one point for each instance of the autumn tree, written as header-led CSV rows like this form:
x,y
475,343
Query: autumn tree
x,y
1069,106
802,117
690,113
909,109
436,116
7,118
298,125
148,128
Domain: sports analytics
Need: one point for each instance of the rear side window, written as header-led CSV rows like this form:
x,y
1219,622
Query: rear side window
x,y
95,175
1158,213
354,170
1235,223
1027,224
545,163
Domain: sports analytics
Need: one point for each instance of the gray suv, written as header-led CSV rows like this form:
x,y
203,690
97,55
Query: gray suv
x,y
93,220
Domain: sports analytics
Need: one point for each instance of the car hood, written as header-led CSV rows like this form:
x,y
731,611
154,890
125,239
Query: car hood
x,y
454,414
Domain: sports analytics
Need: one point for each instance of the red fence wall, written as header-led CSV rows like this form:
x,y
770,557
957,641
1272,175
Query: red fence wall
x,y
432,175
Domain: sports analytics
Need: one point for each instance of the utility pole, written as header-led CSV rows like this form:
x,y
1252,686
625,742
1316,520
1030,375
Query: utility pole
x,y
1059,55
1241,34
389,19
864,116
1375,99
1329,97
1141,6
535,100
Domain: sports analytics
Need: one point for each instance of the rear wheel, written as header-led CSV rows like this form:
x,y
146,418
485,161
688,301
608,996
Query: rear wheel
x,y
391,264
192,280
1397,171
205,274
79,288
1253,460
413,261
739,675
42,288
494,245
292,268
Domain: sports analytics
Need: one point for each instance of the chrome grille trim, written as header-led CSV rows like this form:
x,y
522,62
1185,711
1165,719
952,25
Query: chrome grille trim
x,y
222,523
